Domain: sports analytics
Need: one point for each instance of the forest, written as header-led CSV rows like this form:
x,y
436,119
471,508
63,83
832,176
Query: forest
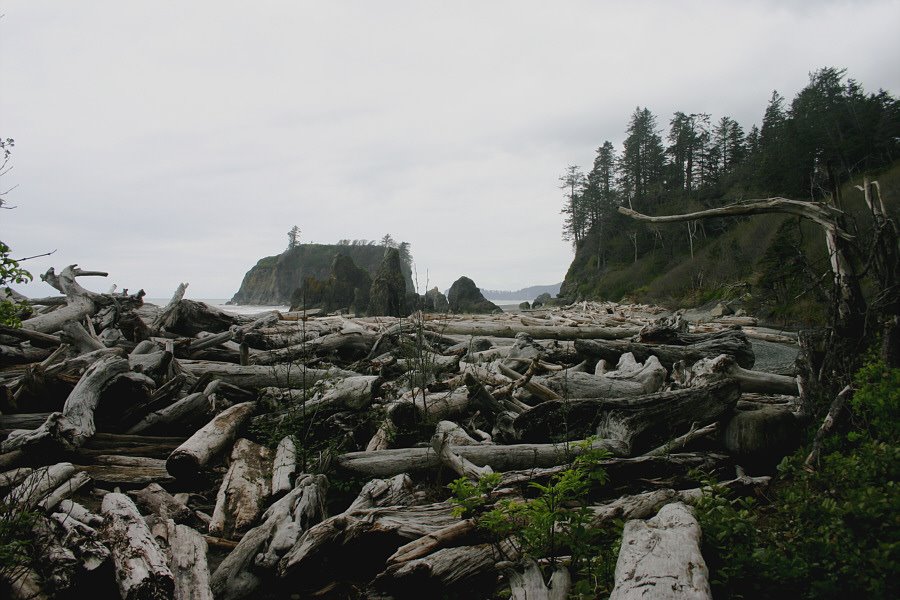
x,y
807,149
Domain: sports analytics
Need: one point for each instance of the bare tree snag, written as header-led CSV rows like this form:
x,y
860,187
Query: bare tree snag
x,y
190,457
245,488
834,413
660,558
141,568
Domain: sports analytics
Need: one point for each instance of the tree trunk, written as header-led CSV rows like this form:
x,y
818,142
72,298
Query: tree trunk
x,y
191,456
662,554
731,342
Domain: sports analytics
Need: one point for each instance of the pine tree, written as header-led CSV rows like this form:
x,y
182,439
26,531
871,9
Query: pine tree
x,y
642,160
572,181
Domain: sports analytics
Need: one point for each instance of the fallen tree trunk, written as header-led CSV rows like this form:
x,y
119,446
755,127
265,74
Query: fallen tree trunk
x,y
708,370
731,342
191,456
386,463
253,377
141,568
662,554
244,490
536,332
187,561
641,422
628,379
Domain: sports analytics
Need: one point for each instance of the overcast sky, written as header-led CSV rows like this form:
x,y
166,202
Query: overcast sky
x,y
180,141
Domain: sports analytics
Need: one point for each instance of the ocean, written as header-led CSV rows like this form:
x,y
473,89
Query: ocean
x,y
235,309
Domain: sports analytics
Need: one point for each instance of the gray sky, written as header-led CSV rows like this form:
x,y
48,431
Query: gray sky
x,y
180,141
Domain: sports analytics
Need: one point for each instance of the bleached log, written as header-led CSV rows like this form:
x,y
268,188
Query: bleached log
x,y
731,342
535,387
628,379
140,566
676,444
213,438
253,377
707,370
128,471
244,490
456,463
40,483
386,463
432,407
156,500
13,477
662,554
456,435
380,531
527,583
536,332
187,561
75,424
185,411
79,301
425,545
284,466
395,491
60,560
282,523
349,393
74,334
79,513
64,491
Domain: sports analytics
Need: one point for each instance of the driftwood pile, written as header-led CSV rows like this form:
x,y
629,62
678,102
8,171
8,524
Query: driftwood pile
x,y
183,452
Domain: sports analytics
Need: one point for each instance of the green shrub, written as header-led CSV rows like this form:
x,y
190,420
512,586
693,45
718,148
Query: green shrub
x,y
829,533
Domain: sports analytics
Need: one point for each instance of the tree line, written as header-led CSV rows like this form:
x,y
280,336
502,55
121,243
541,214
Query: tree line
x,y
831,131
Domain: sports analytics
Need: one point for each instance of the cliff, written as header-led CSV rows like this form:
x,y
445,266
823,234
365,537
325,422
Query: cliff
x,y
274,278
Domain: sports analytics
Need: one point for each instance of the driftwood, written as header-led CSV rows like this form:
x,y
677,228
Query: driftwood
x,y
141,567
187,410
731,342
187,561
707,370
640,423
536,332
528,583
156,500
630,378
662,554
245,488
253,377
191,456
38,484
284,467
386,463
281,524
82,539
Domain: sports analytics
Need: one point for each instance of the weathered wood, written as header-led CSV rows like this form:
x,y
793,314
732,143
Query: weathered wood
x,y
19,355
128,471
834,413
425,545
38,484
527,583
641,422
213,438
386,463
630,378
64,491
284,467
244,490
156,500
536,332
280,526
83,540
74,334
459,465
254,377
187,561
662,554
184,412
730,342
707,370
140,566
395,491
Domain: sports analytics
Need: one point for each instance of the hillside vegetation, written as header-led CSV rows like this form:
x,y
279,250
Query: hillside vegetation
x,y
817,148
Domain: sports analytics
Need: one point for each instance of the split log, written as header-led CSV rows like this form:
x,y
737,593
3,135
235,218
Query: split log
x,y
630,378
707,370
83,540
640,423
662,554
284,467
190,457
187,561
527,583
282,523
386,463
244,490
731,342
140,566
364,538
